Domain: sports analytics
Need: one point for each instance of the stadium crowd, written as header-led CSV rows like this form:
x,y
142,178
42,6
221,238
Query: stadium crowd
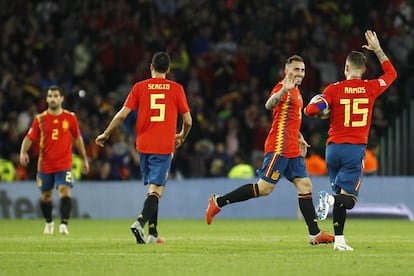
x,y
227,54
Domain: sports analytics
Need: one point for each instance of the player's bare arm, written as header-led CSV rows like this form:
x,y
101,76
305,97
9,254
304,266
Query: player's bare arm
x,y
374,45
116,122
80,146
303,145
185,129
288,83
24,156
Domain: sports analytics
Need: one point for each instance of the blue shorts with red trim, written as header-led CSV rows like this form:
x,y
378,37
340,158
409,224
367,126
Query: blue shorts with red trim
x,y
155,168
46,181
345,164
275,166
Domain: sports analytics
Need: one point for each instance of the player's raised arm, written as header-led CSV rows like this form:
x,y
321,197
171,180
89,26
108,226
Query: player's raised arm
x,y
373,44
288,83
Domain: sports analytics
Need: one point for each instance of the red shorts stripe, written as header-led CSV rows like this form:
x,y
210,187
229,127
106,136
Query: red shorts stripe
x,y
272,162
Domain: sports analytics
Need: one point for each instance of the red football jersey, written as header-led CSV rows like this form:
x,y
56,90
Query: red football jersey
x,y
351,103
55,134
158,102
283,137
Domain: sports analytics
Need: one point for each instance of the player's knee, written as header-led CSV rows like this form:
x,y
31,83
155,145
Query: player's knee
x,y
303,185
46,196
351,203
265,188
153,193
64,191
265,192
345,201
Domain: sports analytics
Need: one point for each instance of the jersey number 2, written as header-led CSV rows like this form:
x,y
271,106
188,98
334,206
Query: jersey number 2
x,y
157,106
352,106
55,134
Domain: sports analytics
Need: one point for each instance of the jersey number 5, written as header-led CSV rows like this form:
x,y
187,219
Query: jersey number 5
x,y
352,106
157,106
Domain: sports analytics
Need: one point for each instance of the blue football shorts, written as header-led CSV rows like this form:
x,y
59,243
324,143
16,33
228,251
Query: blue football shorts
x,y
155,167
275,166
344,162
46,181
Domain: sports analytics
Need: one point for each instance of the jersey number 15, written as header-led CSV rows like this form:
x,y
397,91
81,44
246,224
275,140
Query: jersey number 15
x,y
352,106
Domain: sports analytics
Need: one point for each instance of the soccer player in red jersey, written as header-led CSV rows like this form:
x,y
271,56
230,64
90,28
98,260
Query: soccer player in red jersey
x,y
56,129
350,103
158,101
284,150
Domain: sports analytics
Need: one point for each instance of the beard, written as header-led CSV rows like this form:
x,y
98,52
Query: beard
x,y
53,106
298,81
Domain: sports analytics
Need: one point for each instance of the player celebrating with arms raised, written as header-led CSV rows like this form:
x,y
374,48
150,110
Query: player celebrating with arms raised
x,y
351,103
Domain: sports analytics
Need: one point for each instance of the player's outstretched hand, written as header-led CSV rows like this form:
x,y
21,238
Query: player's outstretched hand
x,y
24,159
303,146
289,82
179,140
372,40
100,140
85,166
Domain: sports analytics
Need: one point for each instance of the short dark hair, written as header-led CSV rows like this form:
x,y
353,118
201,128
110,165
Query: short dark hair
x,y
58,88
294,58
356,59
161,62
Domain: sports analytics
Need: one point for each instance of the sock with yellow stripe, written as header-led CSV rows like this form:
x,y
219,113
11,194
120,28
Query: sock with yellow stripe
x,y
242,193
150,207
308,211
152,223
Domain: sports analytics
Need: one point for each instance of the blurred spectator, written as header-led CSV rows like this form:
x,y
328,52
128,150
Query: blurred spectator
x,y
379,121
82,57
217,168
7,171
180,61
21,172
233,136
241,169
261,129
76,167
221,161
371,161
227,45
195,85
315,163
198,160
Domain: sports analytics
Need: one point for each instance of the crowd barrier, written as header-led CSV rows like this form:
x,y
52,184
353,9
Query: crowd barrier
x,y
187,199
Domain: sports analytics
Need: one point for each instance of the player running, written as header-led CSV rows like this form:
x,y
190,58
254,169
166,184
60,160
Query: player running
x,y
284,149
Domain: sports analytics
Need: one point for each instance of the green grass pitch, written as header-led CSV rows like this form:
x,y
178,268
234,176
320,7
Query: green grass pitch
x,y
227,247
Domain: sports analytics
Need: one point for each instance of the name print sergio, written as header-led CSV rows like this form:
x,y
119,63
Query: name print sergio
x,y
158,86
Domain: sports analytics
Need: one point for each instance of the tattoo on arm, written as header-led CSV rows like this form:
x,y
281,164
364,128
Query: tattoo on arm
x,y
275,99
381,56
